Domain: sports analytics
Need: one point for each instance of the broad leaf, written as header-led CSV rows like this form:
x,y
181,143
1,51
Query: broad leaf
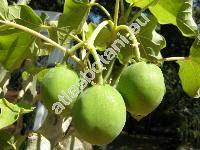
x,y
176,12
126,50
24,15
190,71
74,15
185,21
150,41
10,113
15,44
142,3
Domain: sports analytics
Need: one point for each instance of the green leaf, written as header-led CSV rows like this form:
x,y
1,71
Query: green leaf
x,y
14,47
185,21
176,12
15,44
190,71
141,3
10,113
103,39
25,108
24,15
125,54
3,9
74,15
150,41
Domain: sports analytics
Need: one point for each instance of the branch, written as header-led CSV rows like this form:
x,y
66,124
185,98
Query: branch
x,y
140,12
103,9
36,34
174,58
116,15
134,40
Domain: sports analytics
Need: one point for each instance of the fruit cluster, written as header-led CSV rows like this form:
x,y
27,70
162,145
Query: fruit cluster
x,y
99,112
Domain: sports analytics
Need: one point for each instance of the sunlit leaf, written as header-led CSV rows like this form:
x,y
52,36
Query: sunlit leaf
x,y
10,113
150,41
176,12
15,44
142,3
74,15
190,71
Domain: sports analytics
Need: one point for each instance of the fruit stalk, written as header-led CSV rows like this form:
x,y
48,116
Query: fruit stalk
x,y
174,58
103,9
93,51
116,15
134,40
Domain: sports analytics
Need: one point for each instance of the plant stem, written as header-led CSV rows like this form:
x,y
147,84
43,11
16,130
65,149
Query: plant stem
x,y
36,34
174,58
75,38
140,12
116,15
93,51
109,70
76,47
98,61
96,32
103,9
128,12
117,75
134,40
122,7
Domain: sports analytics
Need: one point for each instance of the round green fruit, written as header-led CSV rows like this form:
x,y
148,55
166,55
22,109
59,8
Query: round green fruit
x,y
99,114
142,87
56,81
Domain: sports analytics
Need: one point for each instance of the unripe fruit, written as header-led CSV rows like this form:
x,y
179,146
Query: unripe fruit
x,y
142,87
99,114
55,81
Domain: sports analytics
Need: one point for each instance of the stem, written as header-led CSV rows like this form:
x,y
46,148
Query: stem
x,y
140,12
92,49
96,32
122,7
103,9
117,75
83,51
174,58
134,40
100,67
109,70
128,12
36,34
116,15
75,38
76,47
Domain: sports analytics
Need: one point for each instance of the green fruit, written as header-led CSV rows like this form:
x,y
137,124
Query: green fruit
x,y
55,81
142,87
99,114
